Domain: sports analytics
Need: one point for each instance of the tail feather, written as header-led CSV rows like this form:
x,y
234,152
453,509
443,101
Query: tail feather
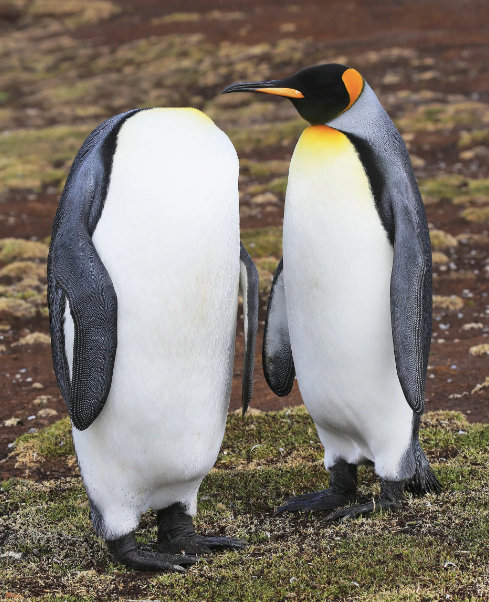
x,y
424,479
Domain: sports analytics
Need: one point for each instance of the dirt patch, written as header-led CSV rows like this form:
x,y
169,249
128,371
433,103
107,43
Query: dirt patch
x,y
427,64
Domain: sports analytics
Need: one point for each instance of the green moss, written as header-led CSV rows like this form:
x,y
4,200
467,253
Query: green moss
x,y
278,185
474,138
441,240
261,136
266,267
14,249
52,442
266,168
436,117
476,214
22,269
29,158
73,13
443,187
265,242
479,187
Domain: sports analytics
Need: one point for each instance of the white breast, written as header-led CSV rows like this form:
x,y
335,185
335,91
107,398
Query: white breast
x,y
169,238
337,268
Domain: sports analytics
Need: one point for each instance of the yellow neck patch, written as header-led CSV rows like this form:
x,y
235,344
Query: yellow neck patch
x,y
354,84
319,144
316,137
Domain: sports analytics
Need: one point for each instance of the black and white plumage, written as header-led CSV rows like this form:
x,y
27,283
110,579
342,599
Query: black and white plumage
x,y
354,291
144,270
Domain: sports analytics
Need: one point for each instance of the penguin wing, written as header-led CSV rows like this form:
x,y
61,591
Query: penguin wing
x,y
411,293
248,280
278,363
76,274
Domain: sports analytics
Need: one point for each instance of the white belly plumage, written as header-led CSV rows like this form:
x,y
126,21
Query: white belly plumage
x,y
337,269
169,238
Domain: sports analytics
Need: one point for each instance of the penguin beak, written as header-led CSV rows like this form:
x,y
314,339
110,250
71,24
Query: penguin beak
x,y
268,87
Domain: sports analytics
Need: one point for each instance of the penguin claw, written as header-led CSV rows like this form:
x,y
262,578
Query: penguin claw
x,y
198,544
225,543
349,512
148,561
328,499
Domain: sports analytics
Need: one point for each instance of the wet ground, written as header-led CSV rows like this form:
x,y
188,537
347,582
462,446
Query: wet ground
x,y
67,67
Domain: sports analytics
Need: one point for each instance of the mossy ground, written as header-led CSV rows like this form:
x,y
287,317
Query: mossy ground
x,y
435,548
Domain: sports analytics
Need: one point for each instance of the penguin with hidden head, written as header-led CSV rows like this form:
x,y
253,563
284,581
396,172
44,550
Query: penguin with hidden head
x,y
351,302
144,270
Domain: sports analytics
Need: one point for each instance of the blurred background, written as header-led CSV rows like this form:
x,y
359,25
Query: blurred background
x,y
67,65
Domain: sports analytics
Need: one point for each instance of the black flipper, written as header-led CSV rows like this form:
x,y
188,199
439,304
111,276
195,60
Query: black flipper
x,y
76,273
278,363
411,294
249,290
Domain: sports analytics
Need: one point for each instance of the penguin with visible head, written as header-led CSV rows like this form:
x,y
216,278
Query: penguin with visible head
x,y
144,270
351,303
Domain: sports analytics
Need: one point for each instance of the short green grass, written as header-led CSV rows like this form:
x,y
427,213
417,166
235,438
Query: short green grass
x,y
435,548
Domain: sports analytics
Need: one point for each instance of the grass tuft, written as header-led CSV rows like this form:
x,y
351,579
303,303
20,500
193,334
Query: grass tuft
x,y
434,547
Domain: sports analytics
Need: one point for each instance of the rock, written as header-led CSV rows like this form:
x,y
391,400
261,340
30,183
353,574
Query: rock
x,y
288,27
473,239
474,153
483,385
16,307
47,412
37,386
417,161
452,302
391,79
35,338
479,349
42,400
439,258
472,326
426,76
266,197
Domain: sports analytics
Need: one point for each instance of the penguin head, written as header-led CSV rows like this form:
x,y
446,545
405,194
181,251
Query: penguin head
x,y
319,93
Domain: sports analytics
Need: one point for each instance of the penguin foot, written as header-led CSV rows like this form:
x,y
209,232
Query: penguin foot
x,y
176,535
342,491
125,551
390,499
328,499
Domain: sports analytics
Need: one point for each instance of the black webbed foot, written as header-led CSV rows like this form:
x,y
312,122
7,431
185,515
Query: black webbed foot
x,y
125,551
342,491
390,499
328,499
176,535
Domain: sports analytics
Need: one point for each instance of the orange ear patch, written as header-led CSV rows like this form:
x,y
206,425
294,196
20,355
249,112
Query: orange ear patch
x,y
354,84
289,92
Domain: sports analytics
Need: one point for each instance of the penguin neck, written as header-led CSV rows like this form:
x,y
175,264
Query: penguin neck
x,y
318,145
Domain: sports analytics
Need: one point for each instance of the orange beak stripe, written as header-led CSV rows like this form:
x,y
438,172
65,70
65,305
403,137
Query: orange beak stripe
x,y
289,92
354,84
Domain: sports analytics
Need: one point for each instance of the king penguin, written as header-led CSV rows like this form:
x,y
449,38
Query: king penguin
x,y
351,303
144,270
